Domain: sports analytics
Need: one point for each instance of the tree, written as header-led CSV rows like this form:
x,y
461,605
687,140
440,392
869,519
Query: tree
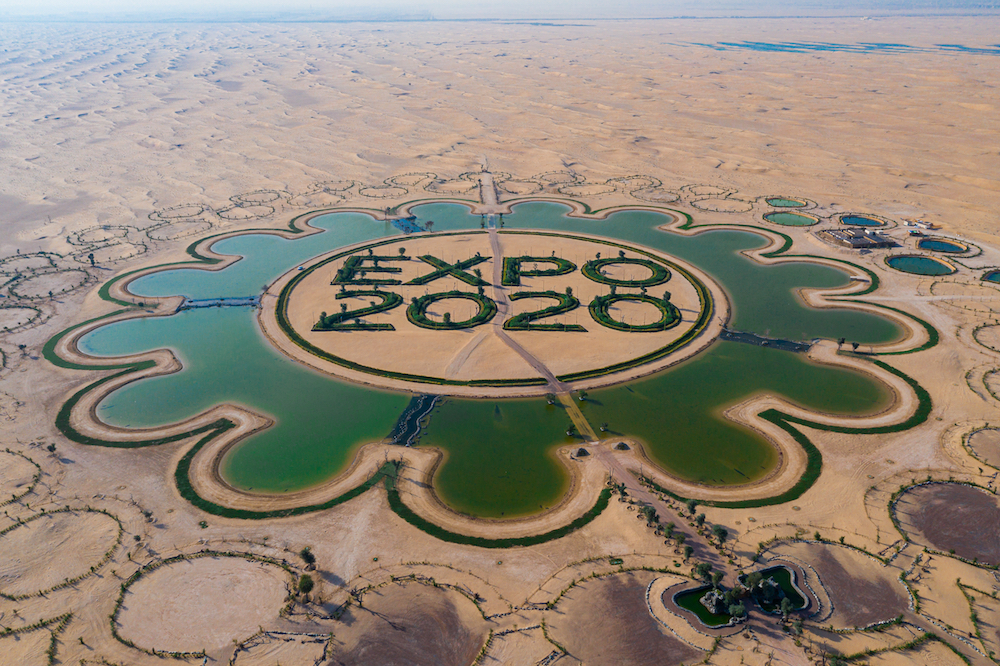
x,y
786,607
720,532
569,291
699,520
692,504
716,579
91,257
855,345
688,551
621,254
430,224
306,584
738,610
307,555
702,570
666,296
402,251
668,530
840,342
680,539
447,317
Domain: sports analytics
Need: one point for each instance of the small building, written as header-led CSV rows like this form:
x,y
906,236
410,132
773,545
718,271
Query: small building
x,y
920,224
858,239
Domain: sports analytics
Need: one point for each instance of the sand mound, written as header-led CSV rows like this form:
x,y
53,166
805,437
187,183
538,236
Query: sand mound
x,y
989,337
28,648
16,475
43,552
13,317
861,589
953,517
985,444
202,604
606,621
410,624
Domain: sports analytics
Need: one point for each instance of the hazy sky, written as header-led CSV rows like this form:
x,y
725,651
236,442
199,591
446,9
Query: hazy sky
x,y
452,9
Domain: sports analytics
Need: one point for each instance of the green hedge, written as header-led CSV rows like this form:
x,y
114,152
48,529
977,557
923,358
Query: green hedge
x,y
670,316
522,322
416,313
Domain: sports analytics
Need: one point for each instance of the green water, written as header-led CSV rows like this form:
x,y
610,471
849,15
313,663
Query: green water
x,y
783,576
911,263
498,452
690,600
781,202
790,219
499,461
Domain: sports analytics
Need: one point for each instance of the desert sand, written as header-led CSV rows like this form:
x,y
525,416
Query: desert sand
x,y
130,143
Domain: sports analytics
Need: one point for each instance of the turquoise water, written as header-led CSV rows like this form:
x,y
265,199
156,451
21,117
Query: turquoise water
x,y
861,221
781,202
911,263
941,245
498,460
992,276
790,219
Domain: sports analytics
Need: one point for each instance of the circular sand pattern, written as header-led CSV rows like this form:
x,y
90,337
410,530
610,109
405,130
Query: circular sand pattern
x,y
245,212
953,517
411,624
17,476
705,191
586,190
25,263
15,317
39,286
98,235
723,205
383,192
109,254
607,621
478,354
259,197
988,336
558,178
318,199
179,212
450,186
975,297
520,187
202,604
985,445
656,195
861,589
182,229
410,179
43,552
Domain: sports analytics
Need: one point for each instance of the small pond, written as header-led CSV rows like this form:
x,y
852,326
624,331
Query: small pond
x,y
861,221
791,219
783,202
785,578
917,265
992,276
942,245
